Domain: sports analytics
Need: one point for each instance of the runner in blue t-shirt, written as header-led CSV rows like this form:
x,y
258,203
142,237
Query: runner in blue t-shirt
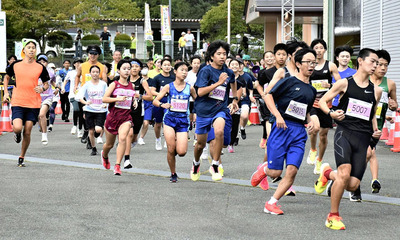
x,y
211,106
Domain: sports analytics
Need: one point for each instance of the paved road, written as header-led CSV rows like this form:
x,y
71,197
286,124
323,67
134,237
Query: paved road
x,y
64,193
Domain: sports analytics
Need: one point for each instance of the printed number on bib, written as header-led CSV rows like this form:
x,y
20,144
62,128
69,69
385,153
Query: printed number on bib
x,y
297,110
379,110
384,98
218,93
179,105
359,109
96,102
317,84
124,104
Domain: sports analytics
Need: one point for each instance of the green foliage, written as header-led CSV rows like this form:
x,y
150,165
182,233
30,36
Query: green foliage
x,y
59,38
122,41
91,39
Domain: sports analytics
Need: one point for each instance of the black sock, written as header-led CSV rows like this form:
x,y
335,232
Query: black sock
x,y
195,168
215,168
94,149
96,134
126,157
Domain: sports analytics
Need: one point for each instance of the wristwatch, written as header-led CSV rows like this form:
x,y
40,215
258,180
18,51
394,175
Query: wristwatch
x,y
235,98
330,111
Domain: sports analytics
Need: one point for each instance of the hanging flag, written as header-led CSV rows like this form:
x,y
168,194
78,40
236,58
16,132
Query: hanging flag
x,y
165,23
147,23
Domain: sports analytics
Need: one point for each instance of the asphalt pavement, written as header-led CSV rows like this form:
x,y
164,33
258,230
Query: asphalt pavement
x,y
64,193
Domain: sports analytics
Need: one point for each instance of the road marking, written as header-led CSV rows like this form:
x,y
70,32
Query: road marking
x,y
204,178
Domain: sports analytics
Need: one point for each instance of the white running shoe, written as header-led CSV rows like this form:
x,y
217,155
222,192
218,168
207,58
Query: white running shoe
x,y
80,133
127,164
45,141
141,141
99,140
165,144
133,144
73,130
158,145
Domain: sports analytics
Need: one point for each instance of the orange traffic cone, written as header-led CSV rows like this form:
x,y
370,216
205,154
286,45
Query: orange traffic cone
x,y
5,119
58,109
385,132
254,114
390,141
396,145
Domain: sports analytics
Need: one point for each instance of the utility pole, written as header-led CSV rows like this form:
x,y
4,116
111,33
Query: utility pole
x,y
3,40
229,22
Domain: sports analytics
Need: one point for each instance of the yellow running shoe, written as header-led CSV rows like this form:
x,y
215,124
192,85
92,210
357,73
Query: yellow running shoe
x,y
335,223
221,170
312,156
216,176
322,182
317,168
195,175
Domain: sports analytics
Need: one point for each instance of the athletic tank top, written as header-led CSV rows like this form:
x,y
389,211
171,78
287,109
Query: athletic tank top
x,y
316,79
85,67
137,85
358,104
287,73
179,101
383,103
121,109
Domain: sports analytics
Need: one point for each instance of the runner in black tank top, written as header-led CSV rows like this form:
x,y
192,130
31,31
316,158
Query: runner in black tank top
x,y
321,80
356,125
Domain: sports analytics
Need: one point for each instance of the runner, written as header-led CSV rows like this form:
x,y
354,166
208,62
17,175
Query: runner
x,y
117,56
157,67
120,96
387,101
191,79
357,129
322,81
246,100
65,104
26,99
211,105
147,106
91,95
176,118
158,84
294,97
268,59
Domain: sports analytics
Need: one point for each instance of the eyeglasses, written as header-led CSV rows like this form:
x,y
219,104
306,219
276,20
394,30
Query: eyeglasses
x,y
310,63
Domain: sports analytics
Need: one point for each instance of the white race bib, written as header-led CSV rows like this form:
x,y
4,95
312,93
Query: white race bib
x,y
124,104
359,109
179,105
96,102
218,93
297,110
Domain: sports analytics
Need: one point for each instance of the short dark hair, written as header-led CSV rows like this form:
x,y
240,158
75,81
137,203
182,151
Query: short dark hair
x,y
166,59
67,60
178,59
12,56
318,40
150,59
214,46
123,61
384,54
180,64
365,52
300,54
280,46
195,57
343,48
94,66
167,56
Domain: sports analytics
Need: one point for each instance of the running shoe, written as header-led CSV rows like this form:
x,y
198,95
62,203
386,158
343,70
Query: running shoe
x,y
243,133
174,178
204,155
94,152
117,170
105,161
21,162
141,141
273,209
133,144
194,142
84,136
195,175
80,134
317,167
17,137
73,130
263,143
375,185
258,175
329,188
45,141
322,182
221,170
264,185
88,144
216,176
230,149
165,144
127,164
66,120
335,223
50,129
356,195
158,145
290,192
312,156
236,142
99,140
277,179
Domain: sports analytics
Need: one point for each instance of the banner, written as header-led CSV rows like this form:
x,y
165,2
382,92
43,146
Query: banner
x,y
165,23
148,35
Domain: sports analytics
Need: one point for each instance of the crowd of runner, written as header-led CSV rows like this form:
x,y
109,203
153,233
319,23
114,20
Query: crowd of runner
x,y
298,94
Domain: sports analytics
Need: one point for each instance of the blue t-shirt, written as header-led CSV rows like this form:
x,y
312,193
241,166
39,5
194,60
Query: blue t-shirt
x,y
160,81
344,74
293,98
249,86
179,101
63,73
217,100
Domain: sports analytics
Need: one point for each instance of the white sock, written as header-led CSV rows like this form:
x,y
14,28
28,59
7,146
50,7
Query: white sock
x,y
196,163
241,128
44,135
272,200
215,162
221,166
158,139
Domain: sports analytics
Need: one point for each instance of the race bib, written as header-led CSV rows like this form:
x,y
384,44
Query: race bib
x,y
179,105
124,104
384,98
317,84
359,109
218,93
96,102
297,110
379,110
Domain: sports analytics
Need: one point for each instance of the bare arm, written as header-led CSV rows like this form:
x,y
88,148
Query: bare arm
x,y
334,71
78,77
163,92
193,93
206,90
6,96
338,88
393,105
107,96
148,96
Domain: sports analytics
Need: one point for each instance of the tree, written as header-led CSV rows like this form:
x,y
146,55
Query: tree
x,y
214,22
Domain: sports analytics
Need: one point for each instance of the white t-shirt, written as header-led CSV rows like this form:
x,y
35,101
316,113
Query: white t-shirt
x,y
71,78
191,80
189,40
94,93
